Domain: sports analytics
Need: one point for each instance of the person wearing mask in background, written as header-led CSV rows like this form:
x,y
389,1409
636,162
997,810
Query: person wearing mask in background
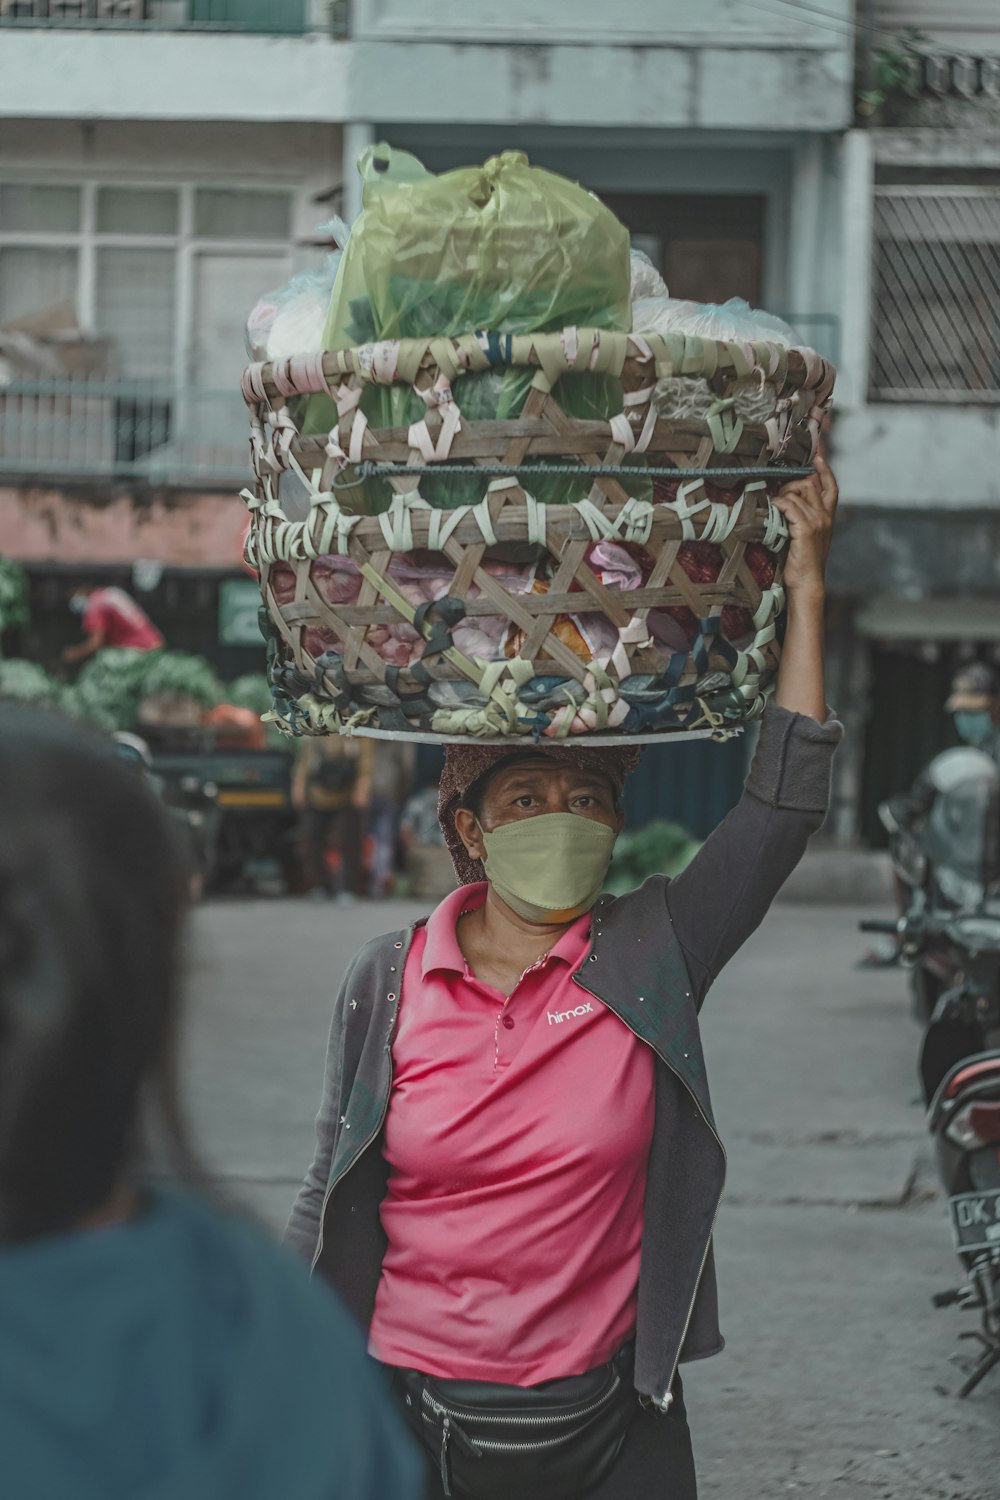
x,y
517,1173
391,778
110,618
975,706
974,703
152,1345
331,789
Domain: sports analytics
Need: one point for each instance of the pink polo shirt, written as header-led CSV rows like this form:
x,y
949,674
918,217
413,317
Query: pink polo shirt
x,y
517,1138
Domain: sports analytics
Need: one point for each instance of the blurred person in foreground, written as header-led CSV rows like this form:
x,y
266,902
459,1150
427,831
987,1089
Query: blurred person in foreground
x,y
517,1174
152,1345
110,617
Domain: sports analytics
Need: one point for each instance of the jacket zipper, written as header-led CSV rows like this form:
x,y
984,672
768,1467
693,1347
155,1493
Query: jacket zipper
x,y
664,1402
404,955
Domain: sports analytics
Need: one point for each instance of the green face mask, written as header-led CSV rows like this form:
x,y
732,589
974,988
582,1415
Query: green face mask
x,y
550,868
974,726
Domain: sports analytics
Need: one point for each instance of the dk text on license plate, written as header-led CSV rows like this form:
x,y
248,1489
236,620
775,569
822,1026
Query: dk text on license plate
x,y
975,1220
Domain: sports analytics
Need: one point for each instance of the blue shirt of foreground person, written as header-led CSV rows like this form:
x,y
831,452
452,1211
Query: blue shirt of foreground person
x,y
151,1347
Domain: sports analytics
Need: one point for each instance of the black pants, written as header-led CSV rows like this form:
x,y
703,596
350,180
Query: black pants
x,y
656,1463
339,830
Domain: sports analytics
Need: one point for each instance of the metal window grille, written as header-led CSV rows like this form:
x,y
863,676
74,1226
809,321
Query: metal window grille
x,y
936,302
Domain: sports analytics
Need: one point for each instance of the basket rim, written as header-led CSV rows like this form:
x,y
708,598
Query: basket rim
x,y
436,361
522,741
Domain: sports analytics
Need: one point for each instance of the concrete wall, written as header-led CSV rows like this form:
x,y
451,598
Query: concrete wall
x,y
106,526
708,65
162,75
709,87
920,456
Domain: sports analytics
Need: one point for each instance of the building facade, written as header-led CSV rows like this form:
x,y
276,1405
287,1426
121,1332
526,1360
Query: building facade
x,y
163,162
916,569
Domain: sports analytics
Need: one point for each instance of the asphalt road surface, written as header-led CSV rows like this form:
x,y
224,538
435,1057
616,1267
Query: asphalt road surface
x,y
838,1378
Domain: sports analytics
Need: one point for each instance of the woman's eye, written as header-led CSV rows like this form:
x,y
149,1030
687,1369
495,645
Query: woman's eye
x,y
525,801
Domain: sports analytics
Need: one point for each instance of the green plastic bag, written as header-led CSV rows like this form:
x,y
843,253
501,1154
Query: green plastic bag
x,y
506,247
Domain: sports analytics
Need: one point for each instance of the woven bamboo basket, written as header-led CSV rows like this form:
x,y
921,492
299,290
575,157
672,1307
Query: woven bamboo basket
x,y
686,640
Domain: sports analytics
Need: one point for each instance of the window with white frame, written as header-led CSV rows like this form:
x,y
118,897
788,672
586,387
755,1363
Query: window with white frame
x,y
163,275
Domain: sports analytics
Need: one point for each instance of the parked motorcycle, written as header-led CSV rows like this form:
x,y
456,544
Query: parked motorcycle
x,y
943,840
950,935
189,802
960,1074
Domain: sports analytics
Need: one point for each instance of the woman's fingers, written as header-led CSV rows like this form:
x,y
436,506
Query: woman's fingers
x,y
794,507
828,489
820,489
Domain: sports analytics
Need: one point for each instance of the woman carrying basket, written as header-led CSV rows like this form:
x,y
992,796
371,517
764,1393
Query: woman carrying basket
x,y
517,1170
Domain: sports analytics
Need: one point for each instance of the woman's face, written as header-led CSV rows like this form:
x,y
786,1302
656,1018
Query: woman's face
x,y
530,786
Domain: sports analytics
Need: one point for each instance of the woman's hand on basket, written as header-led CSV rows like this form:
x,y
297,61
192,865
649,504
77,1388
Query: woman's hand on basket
x,y
808,506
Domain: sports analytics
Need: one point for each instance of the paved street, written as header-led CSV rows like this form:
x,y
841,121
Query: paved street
x,y
836,1381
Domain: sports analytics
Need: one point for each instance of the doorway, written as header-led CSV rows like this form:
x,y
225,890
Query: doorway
x,y
707,247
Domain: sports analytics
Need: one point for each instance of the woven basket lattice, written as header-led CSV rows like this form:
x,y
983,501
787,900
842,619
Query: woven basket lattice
x,y
653,605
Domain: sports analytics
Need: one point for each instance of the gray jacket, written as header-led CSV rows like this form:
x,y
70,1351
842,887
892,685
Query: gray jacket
x,y
652,958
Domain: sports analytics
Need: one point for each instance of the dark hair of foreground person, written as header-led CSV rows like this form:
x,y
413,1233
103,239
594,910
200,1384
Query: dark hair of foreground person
x,y
92,894
153,1346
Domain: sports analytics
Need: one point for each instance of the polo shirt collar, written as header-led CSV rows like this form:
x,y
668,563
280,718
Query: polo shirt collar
x,y
442,951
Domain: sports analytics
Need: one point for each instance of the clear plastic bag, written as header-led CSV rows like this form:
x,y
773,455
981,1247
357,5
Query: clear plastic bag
x,y
646,279
682,397
291,319
506,247
733,320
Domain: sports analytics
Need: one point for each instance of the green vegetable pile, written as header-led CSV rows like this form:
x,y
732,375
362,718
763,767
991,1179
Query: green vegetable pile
x,y
13,595
110,687
183,674
250,691
660,848
26,682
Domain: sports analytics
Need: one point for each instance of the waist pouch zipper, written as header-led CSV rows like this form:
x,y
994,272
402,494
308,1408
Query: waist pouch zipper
x,y
450,1418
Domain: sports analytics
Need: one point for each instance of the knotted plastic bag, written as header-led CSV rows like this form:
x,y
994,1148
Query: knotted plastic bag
x,y
506,247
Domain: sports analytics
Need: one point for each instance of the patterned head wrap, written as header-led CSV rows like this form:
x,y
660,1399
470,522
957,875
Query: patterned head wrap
x,y
464,765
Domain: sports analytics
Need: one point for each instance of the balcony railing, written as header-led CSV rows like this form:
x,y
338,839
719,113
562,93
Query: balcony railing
x,y
264,17
88,429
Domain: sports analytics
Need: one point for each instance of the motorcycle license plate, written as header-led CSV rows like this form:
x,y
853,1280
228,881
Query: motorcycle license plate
x,y
975,1220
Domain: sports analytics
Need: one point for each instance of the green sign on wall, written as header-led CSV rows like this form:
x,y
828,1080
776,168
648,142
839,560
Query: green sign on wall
x,y
271,17
239,601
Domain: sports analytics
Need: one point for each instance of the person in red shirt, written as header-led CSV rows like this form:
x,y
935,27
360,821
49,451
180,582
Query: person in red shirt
x,y
110,618
517,1169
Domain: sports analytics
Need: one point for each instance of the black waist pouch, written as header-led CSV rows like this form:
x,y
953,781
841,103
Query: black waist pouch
x,y
553,1441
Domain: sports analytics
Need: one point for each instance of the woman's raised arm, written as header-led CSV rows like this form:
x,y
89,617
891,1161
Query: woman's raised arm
x,y
723,895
